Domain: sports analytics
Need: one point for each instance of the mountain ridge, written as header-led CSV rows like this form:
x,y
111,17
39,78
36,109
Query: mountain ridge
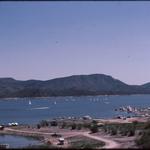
x,y
75,85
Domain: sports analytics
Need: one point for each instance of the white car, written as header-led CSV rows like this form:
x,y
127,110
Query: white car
x,y
13,124
10,124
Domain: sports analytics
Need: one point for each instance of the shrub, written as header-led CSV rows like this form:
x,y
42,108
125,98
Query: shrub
x,y
113,131
143,141
131,132
135,123
94,122
44,123
38,126
105,129
79,126
87,125
94,128
140,133
64,124
86,144
54,123
49,142
147,126
123,132
73,126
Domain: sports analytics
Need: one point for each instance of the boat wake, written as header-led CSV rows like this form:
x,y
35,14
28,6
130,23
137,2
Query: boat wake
x,y
106,102
40,108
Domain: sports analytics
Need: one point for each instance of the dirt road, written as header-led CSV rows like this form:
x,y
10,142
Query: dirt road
x,y
109,143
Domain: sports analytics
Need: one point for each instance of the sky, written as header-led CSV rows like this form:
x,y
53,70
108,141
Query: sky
x,y
46,40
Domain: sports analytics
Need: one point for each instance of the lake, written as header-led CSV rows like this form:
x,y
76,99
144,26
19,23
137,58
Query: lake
x,y
32,110
18,141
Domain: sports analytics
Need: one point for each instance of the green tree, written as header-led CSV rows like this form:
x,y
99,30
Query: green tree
x,y
38,126
44,123
73,126
94,128
54,123
79,126
64,124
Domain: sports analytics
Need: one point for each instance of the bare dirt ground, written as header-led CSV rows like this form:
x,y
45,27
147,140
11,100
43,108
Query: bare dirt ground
x,y
110,142
124,142
128,120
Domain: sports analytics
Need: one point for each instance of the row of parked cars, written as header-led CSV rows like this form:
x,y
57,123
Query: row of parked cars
x,y
13,124
9,124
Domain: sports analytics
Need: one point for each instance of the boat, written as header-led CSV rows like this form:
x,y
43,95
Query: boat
x,y
30,102
129,108
40,108
55,102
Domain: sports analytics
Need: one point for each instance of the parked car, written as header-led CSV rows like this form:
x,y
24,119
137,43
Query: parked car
x,y
1,127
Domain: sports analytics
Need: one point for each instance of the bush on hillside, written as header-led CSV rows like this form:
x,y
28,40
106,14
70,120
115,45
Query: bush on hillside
x,y
144,141
38,126
44,123
94,128
73,126
54,123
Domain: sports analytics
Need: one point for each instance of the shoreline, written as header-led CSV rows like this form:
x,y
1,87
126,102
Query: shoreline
x,y
42,97
45,134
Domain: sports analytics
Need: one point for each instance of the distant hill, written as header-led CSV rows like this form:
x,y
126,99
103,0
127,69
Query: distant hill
x,y
76,85
147,85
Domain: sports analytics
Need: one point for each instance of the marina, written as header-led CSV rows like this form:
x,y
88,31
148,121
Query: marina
x,y
142,112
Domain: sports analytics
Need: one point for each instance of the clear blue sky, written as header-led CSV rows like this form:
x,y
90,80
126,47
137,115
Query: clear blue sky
x,y
45,40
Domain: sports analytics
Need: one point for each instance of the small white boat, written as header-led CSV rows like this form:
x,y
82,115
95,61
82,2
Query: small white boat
x,y
55,103
30,102
40,108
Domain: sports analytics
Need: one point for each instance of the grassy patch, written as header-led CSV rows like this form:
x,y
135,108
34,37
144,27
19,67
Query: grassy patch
x,y
144,140
126,129
81,142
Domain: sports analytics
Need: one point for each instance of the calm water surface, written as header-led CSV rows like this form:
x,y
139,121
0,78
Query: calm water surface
x,y
18,141
19,110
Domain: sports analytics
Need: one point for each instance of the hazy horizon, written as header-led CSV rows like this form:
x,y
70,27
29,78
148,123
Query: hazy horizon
x,y
47,40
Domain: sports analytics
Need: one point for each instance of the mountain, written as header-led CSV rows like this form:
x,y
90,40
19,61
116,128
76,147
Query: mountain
x,y
147,85
73,85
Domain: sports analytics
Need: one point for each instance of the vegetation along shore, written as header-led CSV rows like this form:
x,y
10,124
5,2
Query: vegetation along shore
x,y
86,132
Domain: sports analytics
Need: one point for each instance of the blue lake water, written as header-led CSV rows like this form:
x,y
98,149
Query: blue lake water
x,y
19,110
18,141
